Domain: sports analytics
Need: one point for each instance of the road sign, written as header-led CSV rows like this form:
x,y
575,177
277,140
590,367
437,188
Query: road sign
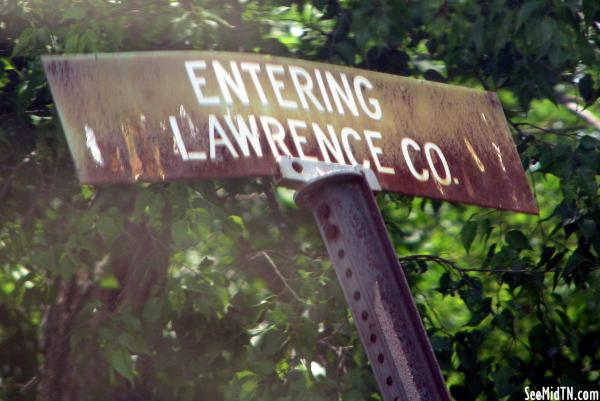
x,y
192,115
338,132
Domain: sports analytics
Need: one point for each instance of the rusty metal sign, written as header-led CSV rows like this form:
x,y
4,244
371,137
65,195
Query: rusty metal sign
x,y
193,115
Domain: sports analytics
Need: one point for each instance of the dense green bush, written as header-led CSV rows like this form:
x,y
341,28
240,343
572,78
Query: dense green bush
x,y
222,291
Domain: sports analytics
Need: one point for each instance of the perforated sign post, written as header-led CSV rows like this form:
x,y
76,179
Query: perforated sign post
x,y
336,133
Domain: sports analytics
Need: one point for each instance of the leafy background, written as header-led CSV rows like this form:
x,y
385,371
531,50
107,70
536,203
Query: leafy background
x,y
222,290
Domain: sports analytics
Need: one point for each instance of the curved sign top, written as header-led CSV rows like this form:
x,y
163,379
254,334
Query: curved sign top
x,y
191,115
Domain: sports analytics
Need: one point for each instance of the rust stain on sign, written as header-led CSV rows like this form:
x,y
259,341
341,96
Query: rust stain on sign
x,y
193,115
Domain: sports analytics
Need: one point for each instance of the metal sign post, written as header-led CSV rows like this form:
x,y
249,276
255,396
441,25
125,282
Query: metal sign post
x,y
371,277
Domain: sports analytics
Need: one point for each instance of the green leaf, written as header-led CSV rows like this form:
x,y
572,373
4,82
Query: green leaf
x,y
434,75
485,229
244,374
120,360
109,282
587,90
588,228
271,343
74,13
478,34
240,226
142,202
589,143
468,233
214,17
8,287
25,42
88,42
248,389
109,228
71,44
180,233
505,321
441,343
525,11
87,192
131,321
152,310
504,385
347,50
134,342
447,285
517,240
590,8
479,307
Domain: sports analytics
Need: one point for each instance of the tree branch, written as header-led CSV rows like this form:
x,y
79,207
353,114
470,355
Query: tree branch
x,y
451,264
280,275
581,112
563,132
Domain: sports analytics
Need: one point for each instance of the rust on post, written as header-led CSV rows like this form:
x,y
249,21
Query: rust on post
x,y
375,288
193,115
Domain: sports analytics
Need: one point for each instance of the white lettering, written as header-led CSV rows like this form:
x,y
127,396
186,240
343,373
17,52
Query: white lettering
x,y
276,138
243,134
278,85
340,93
199,82
253,69
298,139
406,143
226,82
376,151
323,90
304,89
347,132
447,177
215,125
185,155
325,144
362,82
178,138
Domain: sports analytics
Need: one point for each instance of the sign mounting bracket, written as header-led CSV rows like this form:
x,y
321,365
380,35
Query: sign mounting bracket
x,y
296,173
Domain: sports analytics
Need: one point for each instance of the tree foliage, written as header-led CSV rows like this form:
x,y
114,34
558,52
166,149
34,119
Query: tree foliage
x,y
223,290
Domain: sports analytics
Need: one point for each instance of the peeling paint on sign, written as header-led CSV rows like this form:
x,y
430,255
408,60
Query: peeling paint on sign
x,y
200,115
90,142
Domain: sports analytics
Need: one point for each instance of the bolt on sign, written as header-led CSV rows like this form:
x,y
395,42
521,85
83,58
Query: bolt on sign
x,y
193,115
